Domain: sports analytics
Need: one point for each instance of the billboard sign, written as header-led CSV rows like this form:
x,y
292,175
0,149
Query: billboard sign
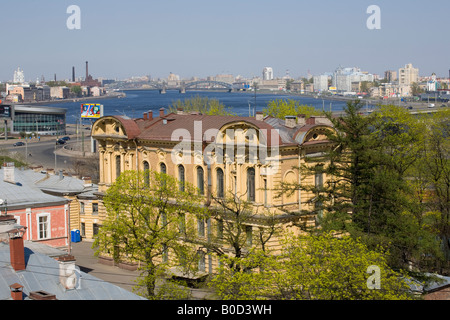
x,y
91,110
5,111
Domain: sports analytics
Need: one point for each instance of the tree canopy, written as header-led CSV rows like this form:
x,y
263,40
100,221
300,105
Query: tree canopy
x,y
202,105
323,267
280,108
146,221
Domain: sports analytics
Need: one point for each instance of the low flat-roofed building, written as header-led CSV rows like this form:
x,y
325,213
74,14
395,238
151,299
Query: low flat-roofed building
x,y
42,120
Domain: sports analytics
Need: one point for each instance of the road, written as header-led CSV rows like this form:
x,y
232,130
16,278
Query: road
x,y
42,153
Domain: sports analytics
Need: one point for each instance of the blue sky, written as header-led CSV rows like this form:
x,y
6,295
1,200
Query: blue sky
x,y
209,37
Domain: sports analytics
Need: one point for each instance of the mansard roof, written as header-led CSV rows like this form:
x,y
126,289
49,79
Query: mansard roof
x,y
195,125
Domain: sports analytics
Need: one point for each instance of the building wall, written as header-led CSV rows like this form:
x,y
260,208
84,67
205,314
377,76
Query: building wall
x,y
57,217
133,154
408,75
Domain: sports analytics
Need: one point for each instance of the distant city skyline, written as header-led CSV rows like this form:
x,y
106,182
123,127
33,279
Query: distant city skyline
x,y
201,38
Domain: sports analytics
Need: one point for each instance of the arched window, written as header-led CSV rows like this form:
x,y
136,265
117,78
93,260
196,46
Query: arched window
x,y
251,184
200,180
181,177
220,183
146,173
118,170
163,168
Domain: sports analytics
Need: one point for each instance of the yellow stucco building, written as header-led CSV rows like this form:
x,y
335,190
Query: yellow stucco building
x,y
248,156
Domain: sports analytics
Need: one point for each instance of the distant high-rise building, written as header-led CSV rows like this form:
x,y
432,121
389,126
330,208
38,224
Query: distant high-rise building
x,y
343,78
408,75
267,73
320,83
390,75
19,76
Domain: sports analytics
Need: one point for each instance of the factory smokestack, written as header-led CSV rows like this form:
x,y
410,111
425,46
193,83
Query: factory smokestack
x,y
73,74
87,71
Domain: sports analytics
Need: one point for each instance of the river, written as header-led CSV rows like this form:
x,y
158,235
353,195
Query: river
x,y
137,102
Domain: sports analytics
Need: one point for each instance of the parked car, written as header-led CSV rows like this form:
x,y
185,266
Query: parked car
x,y
61,141
65,138
18,144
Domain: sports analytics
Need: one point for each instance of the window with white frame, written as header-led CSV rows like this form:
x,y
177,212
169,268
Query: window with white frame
x,y
43,224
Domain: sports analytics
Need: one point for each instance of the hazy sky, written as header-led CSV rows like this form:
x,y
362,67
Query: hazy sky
x,y
209,37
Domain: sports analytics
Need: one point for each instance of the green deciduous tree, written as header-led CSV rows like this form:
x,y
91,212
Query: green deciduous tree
x,y
368,194
146,220
430,180
280,108
240,228
313,268
202,105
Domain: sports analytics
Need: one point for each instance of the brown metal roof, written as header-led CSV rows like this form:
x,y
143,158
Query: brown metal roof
x,y
192,127
162,129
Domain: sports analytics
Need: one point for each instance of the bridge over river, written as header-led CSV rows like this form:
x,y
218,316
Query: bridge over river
x,y
182,86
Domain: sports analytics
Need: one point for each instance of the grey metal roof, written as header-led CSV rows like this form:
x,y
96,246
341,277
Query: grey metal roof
x,y
23,193
39,109
42,273
32,185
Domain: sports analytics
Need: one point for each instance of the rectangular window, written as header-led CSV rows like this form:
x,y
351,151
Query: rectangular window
x,y
95,228
83,229
318,180
251,184
220,229
165,253
181,177
220,184
265,192
118,166
182,223
44,226
201,227
95,208
81,207
201,261
249,235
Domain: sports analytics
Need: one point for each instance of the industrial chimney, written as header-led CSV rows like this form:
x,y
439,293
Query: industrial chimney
x,y
73,74
87,71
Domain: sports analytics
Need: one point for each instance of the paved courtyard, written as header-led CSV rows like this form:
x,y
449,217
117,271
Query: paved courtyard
x,y
85,259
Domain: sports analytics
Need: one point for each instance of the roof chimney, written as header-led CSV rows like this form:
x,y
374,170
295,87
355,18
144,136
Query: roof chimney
x,y
16,248
42,295
16,291
150,115
145,116
67,272
301,119
8,172
161,112
87,181
259,116
311,120
290,121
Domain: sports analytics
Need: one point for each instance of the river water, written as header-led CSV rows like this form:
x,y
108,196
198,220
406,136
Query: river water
x,y
137,102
